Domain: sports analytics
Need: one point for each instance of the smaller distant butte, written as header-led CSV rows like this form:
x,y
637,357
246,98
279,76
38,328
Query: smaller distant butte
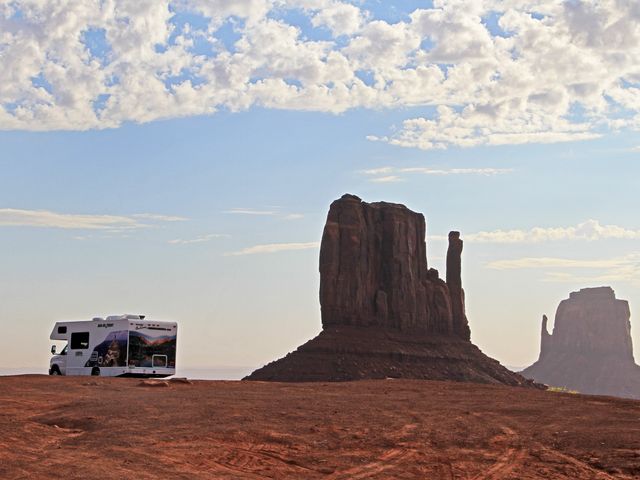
x,y
591,349
385,313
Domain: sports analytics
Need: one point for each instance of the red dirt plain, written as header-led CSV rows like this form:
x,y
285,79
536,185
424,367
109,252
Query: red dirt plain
x,y
102,428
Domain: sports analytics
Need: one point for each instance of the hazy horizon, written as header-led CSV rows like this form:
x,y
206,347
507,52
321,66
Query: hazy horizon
x,y
178,158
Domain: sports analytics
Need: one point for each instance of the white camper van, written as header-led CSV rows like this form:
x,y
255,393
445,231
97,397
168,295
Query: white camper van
x,y
116,346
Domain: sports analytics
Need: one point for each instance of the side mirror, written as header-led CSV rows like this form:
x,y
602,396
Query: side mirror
x,y
53,349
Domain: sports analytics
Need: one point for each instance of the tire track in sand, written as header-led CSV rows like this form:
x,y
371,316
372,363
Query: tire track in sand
x,y
508,461
255,463
390,459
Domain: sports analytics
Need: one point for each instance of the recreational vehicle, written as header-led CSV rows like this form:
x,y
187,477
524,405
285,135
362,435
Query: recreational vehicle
x,y
115,346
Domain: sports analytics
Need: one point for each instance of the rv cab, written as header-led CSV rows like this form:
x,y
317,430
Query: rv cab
x,y
58,363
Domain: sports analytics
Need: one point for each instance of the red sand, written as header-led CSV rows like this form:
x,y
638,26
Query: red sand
x,y
100,428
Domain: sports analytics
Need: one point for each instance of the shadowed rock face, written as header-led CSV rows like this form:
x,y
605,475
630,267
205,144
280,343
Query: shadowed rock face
x,y
385,313
590,349
374,272
454,283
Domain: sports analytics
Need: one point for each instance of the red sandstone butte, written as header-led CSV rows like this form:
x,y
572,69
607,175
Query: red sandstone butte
x,y
385,313
590,349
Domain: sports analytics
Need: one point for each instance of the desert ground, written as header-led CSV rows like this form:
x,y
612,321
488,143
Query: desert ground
x,y
104,428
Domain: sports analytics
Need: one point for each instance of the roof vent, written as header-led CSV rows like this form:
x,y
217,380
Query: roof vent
x,y
128,316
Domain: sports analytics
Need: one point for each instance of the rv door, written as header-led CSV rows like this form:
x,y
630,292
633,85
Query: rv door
x,y
78,353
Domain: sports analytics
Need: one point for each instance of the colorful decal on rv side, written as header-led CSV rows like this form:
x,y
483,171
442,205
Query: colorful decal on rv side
x,y
112,352
146,350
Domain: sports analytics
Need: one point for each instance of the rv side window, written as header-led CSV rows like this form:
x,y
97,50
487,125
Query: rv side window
x,y
79,340
62,330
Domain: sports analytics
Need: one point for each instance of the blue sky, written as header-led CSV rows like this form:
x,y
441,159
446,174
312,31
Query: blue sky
x,y
203,201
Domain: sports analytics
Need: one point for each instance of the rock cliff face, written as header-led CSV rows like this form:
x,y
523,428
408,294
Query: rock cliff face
x,y
385,313
374,272
454,283
590,349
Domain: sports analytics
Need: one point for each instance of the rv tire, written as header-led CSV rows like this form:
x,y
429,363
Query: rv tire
x,y
54,370
95,372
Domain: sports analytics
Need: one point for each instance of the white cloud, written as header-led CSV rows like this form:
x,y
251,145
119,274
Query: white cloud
x,y
340,18
589,230
551,262
275,212
551,71
488,172
387,179
394,174
275,248
596,272
629,273
198,239
293,216
248,211
160,218
472,127
378,171
11,217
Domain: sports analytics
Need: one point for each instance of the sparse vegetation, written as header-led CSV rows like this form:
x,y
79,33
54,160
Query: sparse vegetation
x,y
561,390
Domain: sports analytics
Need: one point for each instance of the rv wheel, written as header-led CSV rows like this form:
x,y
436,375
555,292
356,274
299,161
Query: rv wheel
x,y
54,370
95,372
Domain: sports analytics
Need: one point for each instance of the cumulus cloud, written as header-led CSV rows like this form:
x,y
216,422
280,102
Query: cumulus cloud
x,y
12,217
341,18
473,127
589,230
489,72
274,248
